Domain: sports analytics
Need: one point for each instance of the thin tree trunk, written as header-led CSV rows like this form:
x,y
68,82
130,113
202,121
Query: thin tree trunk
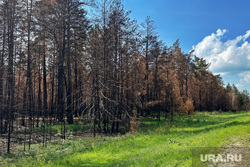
x,y
69,90
45,105
2,72
10,101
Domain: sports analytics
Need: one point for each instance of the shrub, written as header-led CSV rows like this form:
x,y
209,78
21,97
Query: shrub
x,y
133,122
187,107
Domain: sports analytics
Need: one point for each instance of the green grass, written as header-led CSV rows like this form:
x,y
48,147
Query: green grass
x,y
155,144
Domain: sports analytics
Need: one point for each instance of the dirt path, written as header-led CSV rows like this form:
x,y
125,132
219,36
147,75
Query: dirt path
x,y
240,150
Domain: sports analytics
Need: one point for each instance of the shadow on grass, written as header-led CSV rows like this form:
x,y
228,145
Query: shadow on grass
x,y
215,127
195,123
200,121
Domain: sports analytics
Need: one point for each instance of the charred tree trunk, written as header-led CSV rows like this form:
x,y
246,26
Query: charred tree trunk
x,y
2,72
10,101
69,90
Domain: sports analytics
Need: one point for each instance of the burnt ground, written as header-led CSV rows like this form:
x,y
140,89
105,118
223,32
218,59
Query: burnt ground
x,y
21,136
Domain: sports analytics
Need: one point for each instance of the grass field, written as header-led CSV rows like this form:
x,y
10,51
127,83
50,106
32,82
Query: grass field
x,y
154,144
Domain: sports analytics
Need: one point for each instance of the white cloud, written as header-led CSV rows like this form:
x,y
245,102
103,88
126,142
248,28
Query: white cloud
x,y
245,77
225,57
244,80
239,85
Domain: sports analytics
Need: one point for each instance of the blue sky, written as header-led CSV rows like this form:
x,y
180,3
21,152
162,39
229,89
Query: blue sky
x,y
216,29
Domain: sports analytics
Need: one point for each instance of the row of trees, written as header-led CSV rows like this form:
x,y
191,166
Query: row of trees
x,y
57,63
